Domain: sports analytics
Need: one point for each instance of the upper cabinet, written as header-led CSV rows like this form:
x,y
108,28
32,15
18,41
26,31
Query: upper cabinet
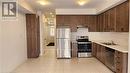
x,y
74,20
115,19
122,17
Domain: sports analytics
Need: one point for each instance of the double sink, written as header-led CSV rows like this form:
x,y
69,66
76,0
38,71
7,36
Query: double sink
x,y
109,43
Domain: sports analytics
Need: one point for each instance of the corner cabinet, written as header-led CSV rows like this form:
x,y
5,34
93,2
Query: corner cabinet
x,y
33,35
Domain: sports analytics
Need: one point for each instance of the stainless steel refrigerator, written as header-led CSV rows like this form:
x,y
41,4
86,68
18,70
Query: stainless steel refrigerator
x,y
63,42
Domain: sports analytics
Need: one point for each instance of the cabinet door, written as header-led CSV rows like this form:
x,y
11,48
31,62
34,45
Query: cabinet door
x,y
98,52
92,21
103,54
94,49
122,17
33,35
112,20
67,20
73,23
121,62
101,17
59,20
107,21
74,49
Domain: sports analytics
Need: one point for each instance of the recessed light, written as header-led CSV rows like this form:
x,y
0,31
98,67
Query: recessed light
x,y
82,2
44,2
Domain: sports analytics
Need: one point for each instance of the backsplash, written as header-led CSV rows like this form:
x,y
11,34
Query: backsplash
x,y
80,32
120,38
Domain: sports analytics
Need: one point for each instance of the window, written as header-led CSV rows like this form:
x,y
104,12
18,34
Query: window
x,y
52,31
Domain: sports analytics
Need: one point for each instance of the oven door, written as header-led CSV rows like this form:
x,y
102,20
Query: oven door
x,y
84,47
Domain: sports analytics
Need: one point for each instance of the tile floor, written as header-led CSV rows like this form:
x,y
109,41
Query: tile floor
x,y
49,64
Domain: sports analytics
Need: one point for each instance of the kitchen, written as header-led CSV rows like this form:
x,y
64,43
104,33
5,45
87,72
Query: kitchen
x,y
104,36
82,38
109,38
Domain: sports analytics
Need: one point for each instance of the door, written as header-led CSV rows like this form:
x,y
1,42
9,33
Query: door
x,y
63,33
63,48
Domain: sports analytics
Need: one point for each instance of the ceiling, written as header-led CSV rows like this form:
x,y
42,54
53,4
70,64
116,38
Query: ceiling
x,y
72,4
68,4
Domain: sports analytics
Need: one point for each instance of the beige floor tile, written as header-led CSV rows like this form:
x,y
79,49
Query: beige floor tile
x,y
49,64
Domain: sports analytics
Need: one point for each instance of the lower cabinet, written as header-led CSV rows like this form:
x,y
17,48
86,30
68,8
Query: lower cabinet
x,y
74,49
121,62
118,62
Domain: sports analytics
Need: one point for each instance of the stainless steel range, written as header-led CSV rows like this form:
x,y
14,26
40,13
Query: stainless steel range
x,y
84,46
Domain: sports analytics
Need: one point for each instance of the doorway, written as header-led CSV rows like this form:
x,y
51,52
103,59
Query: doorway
x,y
49,29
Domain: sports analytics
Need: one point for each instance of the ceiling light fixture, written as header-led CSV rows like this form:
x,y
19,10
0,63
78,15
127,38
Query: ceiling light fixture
x,y
44,2
82,2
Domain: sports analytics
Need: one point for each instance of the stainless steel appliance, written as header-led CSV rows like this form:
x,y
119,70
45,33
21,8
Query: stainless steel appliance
x,y
63,42
110,60
84,46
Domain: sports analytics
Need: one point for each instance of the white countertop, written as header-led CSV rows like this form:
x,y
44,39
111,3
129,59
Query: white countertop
x,y
117,47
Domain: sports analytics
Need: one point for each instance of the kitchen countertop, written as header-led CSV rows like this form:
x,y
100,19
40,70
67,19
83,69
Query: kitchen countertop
x,y
123,49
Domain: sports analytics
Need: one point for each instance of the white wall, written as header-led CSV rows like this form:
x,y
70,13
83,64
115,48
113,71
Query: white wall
x,y
14,51
120,38
0,51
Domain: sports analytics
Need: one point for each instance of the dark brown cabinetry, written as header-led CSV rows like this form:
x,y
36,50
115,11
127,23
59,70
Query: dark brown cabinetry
x,y
74,20
122,17
33,35
120,62
74,49
98,51
115,19
112,20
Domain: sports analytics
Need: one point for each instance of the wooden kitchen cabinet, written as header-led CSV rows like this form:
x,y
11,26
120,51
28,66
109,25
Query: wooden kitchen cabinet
x,y
112,21
33,35
74,49
115,19
73,21
121,62
59,20
122,17
98,51
120,59
92,23
94,49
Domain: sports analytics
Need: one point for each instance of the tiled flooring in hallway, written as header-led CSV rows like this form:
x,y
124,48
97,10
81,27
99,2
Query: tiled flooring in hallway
x,y
49,64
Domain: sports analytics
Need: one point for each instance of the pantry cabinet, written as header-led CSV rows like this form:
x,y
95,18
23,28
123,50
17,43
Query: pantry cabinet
x,y
33,35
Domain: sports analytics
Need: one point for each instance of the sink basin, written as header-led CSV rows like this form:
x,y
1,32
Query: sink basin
x,y
108,43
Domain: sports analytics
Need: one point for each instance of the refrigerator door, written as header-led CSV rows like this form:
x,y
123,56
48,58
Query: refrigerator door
x,y
63,48
63,33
